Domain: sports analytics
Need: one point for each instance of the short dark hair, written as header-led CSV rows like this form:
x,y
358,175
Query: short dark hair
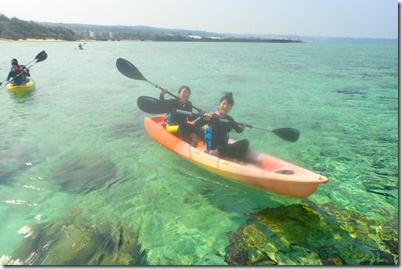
x,y
184,87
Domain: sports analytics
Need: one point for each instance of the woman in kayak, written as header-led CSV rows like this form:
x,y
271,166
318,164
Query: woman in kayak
x,y
217,133
18,73
178,122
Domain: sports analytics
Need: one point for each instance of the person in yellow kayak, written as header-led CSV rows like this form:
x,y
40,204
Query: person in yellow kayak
x,y
18,73
177,122
220,124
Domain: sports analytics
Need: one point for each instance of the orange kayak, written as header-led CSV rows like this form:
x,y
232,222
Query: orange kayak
x,y
271,174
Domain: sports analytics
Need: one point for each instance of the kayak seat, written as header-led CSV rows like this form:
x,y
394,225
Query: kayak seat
x,y
285,172
172,128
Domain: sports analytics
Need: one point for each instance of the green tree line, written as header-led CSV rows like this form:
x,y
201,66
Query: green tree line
x,y
18,29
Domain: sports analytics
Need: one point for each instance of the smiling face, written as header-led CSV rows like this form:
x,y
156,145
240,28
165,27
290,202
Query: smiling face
x,y
184,94
224,107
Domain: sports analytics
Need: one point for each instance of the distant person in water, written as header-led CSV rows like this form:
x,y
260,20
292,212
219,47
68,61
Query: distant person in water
x,y
80,46
18,73
220,124
178,122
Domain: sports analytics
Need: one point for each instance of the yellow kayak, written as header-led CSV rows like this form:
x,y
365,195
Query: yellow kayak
x,y
30,85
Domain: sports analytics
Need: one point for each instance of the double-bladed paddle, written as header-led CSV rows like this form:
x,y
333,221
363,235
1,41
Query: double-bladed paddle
x,y
155,106
39,58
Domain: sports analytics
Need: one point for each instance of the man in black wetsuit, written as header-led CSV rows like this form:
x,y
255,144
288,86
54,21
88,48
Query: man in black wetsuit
x,y
18,73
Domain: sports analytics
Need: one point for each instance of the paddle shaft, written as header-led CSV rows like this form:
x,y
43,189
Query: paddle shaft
x,y
289,134
247,125
222,120
168,92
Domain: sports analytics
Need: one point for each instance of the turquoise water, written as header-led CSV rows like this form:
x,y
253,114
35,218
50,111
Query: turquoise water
x,y
77,142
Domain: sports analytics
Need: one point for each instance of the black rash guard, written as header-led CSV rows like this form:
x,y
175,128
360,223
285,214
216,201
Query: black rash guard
x,y
179,118
219,129
19,76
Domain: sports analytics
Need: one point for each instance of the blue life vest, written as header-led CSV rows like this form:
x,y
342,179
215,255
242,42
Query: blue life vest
x,y
208,137
167,118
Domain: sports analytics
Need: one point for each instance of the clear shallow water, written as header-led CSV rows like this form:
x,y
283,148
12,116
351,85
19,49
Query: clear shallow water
x,y
83,118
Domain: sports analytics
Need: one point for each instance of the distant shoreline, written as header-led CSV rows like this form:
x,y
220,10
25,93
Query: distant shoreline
x,y
41,40
58,40
138,40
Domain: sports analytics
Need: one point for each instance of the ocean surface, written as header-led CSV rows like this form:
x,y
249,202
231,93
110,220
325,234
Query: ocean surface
x,y
75,157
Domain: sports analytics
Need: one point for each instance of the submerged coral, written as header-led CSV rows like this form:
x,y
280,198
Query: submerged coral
x,y
301,234
73,240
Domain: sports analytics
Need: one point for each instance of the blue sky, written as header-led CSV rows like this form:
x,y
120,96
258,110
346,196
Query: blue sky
x,y
327,18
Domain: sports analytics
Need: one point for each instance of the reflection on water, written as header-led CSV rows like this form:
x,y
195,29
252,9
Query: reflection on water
x,y
23,97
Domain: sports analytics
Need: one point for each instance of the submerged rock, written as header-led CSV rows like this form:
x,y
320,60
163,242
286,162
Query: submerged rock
x,y
14,161
74,241
84,173
301,235
126,128
350,91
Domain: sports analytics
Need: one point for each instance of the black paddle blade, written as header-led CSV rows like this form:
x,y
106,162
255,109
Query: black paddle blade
x,y
152,105
128,69
288,134
41,56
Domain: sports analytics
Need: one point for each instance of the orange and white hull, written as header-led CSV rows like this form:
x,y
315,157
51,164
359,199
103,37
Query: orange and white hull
x,y
272,174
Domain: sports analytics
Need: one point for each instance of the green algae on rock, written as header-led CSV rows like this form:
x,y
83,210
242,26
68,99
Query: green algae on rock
x,y
72,240
301,234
